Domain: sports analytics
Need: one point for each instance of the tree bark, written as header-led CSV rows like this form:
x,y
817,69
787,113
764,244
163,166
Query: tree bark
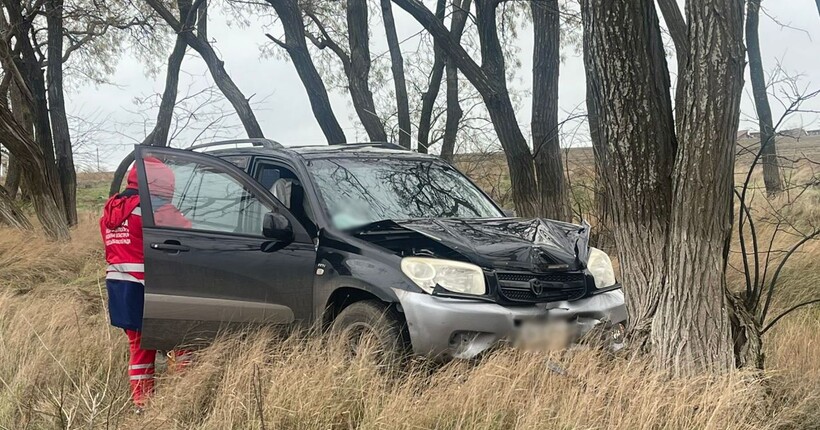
x,y
296,47
216,67
159,134
10,214
59,120
490,81
602,233
680,34
545,140
397,67
454,111
428,98
771,168
13,177
359,76
692,330
629,84
32,161
22,114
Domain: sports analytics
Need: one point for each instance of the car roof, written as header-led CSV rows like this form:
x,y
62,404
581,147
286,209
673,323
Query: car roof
x,y
387,150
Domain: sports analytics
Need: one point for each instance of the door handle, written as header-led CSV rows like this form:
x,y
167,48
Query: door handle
x,y
171,246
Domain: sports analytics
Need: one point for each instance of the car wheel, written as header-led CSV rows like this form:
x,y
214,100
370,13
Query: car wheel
x,y
372,328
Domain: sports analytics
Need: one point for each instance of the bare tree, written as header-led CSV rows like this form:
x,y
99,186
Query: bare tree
x,y
159,134
428,97
546,145
397,67
356,63
490,80
215,65
460,13
290,15
772,176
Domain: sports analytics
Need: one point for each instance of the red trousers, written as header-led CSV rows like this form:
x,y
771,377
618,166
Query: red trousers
x,y
141,367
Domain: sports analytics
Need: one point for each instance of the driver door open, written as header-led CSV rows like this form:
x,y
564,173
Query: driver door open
x,y
208,265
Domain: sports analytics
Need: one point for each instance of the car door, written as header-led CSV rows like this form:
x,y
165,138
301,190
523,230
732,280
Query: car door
x,y
208,265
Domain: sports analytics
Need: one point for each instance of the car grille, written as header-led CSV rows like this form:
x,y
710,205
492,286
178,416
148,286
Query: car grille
x,y
556,286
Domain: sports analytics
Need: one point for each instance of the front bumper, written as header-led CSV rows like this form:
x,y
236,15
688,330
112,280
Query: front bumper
x,y
461,328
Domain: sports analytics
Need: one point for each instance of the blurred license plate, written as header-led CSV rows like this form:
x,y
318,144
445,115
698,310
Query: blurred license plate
x,y
543,335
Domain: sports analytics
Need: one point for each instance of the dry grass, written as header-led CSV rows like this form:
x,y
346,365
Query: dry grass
x,y
63,366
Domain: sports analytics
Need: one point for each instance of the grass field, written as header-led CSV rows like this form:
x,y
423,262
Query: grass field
x,y
63,366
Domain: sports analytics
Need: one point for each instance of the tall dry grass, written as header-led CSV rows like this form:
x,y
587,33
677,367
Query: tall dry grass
x,y
63,366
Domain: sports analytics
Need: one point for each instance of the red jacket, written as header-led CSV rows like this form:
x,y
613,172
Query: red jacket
x,y
121,229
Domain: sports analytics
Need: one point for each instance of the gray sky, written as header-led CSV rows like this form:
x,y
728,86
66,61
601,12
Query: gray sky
x,y
284,113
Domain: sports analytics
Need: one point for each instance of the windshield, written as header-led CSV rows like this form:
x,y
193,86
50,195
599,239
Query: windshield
x,y
359,191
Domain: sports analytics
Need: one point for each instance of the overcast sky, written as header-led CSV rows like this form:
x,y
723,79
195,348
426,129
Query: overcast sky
x,y
284,113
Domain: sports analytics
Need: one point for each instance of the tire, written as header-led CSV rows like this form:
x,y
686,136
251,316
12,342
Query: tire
x,y
371,321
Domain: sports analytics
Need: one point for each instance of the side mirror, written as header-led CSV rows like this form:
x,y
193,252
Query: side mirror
x,y
278,227
509,213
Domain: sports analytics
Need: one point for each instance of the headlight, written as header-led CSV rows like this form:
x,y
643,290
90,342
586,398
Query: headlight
x,y
455,276
600,266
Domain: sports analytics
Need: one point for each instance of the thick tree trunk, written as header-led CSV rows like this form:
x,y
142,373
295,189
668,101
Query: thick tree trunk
x,y
20,111
771,168
602,234
632,113
13,177
397,67
454,111
359,76
428,98
545,140
692,329
217,69
30,156
291,18
59,120
159,134
10,214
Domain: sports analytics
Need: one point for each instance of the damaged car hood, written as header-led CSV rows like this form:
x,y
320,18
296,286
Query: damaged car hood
x,y
532,245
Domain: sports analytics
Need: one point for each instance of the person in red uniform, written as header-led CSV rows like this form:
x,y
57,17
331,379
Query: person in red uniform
x,y
121,229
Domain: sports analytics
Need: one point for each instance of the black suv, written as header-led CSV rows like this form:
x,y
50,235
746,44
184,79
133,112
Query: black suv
x,y
363,237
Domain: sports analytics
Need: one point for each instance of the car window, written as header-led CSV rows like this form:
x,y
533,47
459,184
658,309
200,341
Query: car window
x,y
358,191
187,194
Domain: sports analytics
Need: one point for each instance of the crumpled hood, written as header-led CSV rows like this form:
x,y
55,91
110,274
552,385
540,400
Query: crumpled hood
x,y
117,210
533,245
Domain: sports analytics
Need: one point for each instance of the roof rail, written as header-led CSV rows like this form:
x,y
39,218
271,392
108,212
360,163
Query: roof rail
x,y
265,143
385,145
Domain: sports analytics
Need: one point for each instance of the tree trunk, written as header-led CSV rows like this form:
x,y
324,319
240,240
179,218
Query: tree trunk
x,y
549,167
159,134
22,114
10,214
601,236
291,18
13,177
632,113
397,67
692,330
454,111
30,156
771,168
359,76
217,68
490,81
428,98
59,120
